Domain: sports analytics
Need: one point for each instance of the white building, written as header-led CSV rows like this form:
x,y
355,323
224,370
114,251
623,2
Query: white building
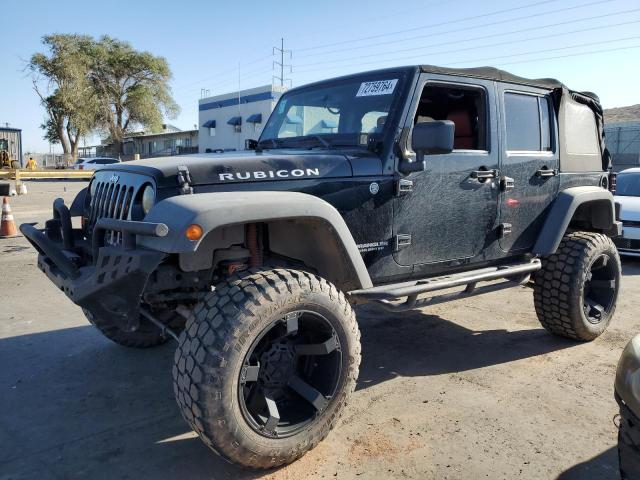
x,y
226,121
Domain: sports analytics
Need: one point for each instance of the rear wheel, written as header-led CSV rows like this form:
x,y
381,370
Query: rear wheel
x,y
266,365
576,290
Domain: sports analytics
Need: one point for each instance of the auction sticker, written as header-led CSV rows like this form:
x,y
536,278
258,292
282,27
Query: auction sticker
x,y
379,87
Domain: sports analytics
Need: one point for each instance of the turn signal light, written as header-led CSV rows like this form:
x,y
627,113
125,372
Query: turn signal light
x,y
193,232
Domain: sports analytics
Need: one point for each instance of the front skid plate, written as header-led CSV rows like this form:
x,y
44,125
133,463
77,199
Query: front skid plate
x,y
111,289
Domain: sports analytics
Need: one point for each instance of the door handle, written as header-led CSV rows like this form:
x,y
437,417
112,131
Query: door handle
x,y
547,172
484,174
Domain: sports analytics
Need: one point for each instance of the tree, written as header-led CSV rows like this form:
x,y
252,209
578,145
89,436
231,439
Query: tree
x,y
100,84
132,89
67,92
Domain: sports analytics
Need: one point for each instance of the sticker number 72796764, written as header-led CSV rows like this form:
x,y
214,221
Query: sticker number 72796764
x,y
379,87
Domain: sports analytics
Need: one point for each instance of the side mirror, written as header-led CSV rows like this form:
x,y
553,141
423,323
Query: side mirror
x,y
428,138
250,144
433,138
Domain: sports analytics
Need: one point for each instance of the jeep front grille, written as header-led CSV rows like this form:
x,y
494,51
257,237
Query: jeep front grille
x,y
110,200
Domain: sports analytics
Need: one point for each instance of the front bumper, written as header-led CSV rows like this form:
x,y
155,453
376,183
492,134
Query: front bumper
x,y
108,280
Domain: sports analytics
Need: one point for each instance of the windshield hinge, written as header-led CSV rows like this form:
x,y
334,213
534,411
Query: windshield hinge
x,y
404,186
401,241
184,180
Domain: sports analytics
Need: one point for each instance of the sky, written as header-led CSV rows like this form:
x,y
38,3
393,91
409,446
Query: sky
x,y
220,46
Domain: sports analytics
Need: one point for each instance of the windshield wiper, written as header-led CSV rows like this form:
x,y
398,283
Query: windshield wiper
x,y
272,140
321,140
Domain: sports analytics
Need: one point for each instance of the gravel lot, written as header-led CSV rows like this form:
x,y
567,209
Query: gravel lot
x,y
471,389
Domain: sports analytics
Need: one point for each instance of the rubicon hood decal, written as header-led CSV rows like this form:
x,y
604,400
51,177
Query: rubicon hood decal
x,y
270,174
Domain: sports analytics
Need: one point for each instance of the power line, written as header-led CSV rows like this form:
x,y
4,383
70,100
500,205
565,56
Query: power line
x,y
473,27
369,20
231,72
438,24
631,47
497,57
475,47
602,42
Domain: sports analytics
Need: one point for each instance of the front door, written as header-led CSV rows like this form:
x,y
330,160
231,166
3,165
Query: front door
x,y
450,211
529,164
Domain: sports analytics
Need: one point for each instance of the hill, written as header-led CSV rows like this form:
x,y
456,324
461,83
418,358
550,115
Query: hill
x,y
622,114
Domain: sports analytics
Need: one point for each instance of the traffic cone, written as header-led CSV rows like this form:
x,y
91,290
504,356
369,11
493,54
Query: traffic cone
x,y
7,223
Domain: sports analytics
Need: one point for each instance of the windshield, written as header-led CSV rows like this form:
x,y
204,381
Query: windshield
x,y
628,184
344,113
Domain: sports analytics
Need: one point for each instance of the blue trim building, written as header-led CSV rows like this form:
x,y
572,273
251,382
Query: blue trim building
x,y
226,121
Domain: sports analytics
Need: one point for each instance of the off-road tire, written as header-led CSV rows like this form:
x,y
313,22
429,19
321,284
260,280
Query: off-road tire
x,y
560,285
213,346
147,335
628,444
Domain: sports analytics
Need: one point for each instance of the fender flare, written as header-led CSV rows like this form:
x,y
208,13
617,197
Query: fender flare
x,y
219,209
562,212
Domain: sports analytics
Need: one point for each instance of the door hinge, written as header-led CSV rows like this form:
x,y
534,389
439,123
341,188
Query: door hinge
x,y
184,180
507,183
403,187
401,240
504,230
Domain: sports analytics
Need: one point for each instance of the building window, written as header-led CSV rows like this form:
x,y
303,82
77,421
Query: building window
x,y
236,122
211,126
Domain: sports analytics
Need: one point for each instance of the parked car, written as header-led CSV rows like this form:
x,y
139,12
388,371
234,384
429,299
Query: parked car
x,y
628,196
387,187
94,163
627,393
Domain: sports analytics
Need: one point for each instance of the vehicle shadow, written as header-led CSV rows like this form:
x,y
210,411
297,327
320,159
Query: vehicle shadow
x,y
600,467
414,343
74,405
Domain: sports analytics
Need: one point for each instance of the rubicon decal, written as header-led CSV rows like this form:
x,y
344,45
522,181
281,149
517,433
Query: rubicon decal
x,y
268,174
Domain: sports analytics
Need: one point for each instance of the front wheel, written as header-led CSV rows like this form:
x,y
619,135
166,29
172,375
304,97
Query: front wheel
x,y
266,365
576,290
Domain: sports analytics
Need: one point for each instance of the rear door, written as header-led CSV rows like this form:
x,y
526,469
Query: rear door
x,y
529,164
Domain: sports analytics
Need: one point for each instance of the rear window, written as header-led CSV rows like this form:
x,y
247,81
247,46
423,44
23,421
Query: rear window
x,y
527,120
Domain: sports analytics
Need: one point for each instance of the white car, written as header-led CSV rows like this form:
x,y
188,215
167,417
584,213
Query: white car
x,y
94,163
628,196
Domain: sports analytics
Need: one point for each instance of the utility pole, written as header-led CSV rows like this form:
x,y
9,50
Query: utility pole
x,y
281,63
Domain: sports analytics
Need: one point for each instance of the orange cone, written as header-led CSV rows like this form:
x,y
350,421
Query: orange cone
x,y
7,224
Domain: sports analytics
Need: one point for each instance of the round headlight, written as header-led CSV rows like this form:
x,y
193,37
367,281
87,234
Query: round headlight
x,y
148,197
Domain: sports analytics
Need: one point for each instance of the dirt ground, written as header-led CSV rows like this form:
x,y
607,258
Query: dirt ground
x,y
467,390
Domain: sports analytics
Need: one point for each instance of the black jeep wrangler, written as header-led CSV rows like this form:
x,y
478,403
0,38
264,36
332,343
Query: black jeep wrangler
x,y
392,187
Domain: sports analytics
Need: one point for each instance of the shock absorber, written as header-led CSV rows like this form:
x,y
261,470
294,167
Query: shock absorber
x,y
253,245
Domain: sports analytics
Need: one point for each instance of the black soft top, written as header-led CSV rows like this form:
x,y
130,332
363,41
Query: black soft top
x,y
491,73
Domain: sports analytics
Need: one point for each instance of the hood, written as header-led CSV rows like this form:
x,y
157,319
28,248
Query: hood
x,y
629,207
244,166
